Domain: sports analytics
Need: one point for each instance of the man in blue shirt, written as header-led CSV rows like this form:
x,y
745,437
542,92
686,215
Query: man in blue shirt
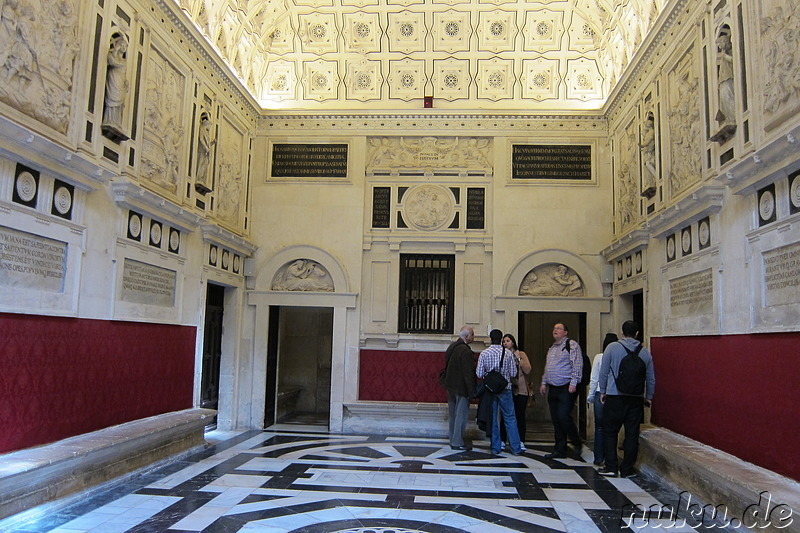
x,y
621,408
490,360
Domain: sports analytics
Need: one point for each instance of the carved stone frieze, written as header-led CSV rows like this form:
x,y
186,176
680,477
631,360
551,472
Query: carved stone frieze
x,y
552,279
230,175
429,152
303,275
779,30
685,125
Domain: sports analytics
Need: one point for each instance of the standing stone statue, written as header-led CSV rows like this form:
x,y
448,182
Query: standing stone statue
x,y
648,146
205,145
726,114
116,88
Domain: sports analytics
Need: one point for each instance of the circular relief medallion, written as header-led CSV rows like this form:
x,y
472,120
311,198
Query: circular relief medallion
x,y
225,259
671,247
619,270
794,193
26,186
766,206
638,262
236,261
628,266
155,233
686,241
428,207
174,239
135,226
212,255
704,233
62,200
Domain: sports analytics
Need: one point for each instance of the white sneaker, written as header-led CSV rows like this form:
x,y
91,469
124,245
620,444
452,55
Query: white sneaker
x,y
522,447
502,446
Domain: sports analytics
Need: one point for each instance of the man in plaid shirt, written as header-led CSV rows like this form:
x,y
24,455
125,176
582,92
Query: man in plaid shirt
x,y
490,360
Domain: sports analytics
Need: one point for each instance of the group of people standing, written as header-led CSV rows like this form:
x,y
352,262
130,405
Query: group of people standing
x,y
504,410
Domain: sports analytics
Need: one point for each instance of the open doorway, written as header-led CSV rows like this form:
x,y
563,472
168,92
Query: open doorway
x,y
632,308
212,347
299,359
535,338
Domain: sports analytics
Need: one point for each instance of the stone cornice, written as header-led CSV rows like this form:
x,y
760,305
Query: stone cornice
x,y
630,242
132,196
226,239
704,201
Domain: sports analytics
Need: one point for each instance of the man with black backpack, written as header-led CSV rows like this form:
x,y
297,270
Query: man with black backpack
x,y
626,384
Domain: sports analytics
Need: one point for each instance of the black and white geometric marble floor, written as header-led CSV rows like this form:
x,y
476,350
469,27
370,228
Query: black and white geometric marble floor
x,y
278,482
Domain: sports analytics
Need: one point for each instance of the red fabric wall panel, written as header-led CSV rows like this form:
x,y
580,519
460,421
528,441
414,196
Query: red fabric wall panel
x,y
401,376
736,393
66,376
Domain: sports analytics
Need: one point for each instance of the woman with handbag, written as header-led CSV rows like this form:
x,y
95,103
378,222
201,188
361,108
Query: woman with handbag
x,y
520,389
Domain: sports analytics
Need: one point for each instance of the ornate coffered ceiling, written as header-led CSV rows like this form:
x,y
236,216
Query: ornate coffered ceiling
x,y
383,55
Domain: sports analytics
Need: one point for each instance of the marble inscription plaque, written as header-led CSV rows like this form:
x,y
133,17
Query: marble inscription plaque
x,y
782,275
551,162
692,295
148,284
32,261
309,160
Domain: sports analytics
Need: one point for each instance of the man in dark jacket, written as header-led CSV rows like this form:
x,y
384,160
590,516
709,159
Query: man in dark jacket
x,y
460,382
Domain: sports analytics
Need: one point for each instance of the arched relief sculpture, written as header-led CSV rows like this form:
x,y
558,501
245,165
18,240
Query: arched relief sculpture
x,y
303,275
552,279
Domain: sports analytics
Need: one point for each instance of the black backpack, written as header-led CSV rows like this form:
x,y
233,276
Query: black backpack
x,y
586,373
632,370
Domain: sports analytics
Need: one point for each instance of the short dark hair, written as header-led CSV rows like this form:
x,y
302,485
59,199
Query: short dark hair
x,y
496,336
630,328
512,339
566,327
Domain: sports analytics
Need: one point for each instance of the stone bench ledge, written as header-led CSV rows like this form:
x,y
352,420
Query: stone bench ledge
x,y
36,475
715,477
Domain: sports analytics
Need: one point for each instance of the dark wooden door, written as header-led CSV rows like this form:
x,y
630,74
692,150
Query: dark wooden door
x,y
212,347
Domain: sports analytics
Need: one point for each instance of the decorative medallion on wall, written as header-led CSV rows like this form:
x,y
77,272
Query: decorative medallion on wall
x,y
670,244
794,193
237,263
174,240
766,205
212,255
26,186
303,275
686,240
618,270
134,226
551,279
628,267
155,233
637,262
428,207
704,233
226,259
62,199
406,79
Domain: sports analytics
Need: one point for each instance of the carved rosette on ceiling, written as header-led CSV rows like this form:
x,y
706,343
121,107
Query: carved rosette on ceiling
x,y
280,82
363,80
361,32
406,32
303,275
407,79
318,33
469,153
495,78
552,279
583,79
321,79
543,30
582,34
280,40
540,79
428,207
497,31
451,78
451,31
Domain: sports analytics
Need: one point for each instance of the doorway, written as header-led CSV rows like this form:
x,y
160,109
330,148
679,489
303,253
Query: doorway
x,y
631,307
535,338
212,347
300,352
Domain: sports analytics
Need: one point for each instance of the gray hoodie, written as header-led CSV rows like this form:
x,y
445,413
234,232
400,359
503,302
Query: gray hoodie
x,y
612,357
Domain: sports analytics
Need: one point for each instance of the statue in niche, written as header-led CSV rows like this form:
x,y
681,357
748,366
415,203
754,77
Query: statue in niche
x,y
551,280
627,195
648,146
116,88
726,114
205,145
303,275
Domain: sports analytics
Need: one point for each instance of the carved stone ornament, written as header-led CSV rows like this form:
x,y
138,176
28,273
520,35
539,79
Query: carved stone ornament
x,y
303,275
428,207
782,63
429,152
552,279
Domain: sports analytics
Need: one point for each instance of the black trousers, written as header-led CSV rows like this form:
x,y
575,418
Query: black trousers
x,y
561,402
619,411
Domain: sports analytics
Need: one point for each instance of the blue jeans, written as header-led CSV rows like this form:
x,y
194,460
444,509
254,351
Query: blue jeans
x,y
505,403
599,445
